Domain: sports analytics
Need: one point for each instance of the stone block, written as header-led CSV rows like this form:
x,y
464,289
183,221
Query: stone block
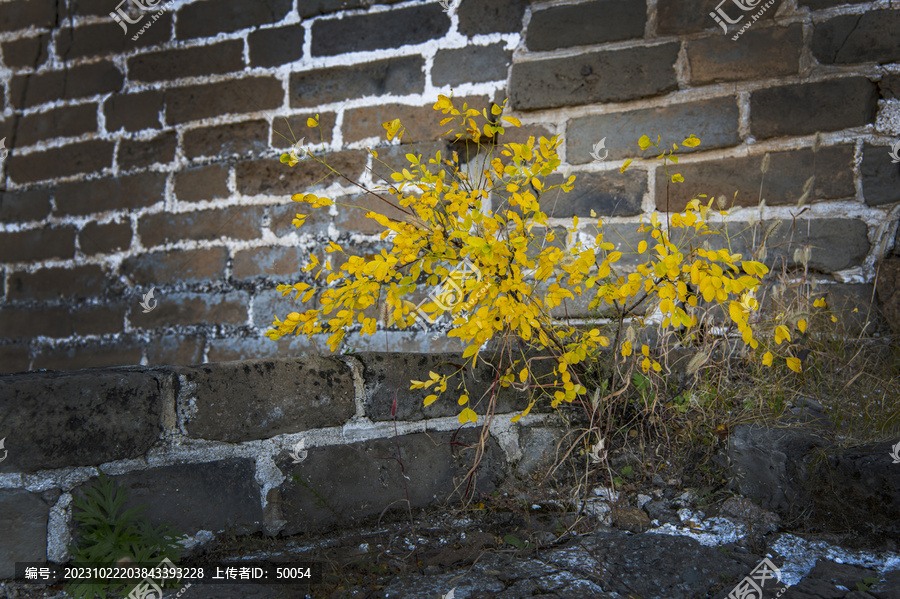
x,y
139,153
23,528
873,36
237,222
208,19
112,193
133,112
106,238
491,16
38,244
24,205
196,61
277,46
607,193
397,76
188,309
88,354
880,176
372,31
202,183
761,53
65,161
470,65
68,84
105,38
585,24
176,266
233,96
68,121
247,138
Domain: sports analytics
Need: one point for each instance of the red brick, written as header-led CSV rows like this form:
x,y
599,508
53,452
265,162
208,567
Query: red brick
x,y
761,53
68,84
65,161
92,354
224,57
38,244
133,112
28,52
235,96
248,138
14,357
272,177
181,350
68,121
105,38
112,193
107,238
286,131
206,19
176,266
185,309
57,282
138,153
24,205
783,182
202,183
238,222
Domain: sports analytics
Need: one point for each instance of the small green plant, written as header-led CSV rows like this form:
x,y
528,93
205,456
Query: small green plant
x,y
866,584
107,537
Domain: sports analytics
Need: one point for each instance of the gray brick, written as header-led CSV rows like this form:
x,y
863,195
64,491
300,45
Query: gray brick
x,y
113,193
14,357
77,158
188,309
870,37
788,171
247,138
586,24
178,266
28,52
133,112
276,46
314,8
271,177
47,417
277,262
471,64
56,283
106,238
202,183
23,523
68,84
175,349
889,87
609,193
237,222
63,321
236,402
491,16
397,76
714,122
138,153
207,19
761,53
90,354
224,57
392,29
21,14
24,205
822,4
106,37
37,244
810,107
235,96
345,483
608,76
880,176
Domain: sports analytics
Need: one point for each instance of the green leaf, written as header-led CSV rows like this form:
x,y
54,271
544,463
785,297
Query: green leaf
x,y
514,541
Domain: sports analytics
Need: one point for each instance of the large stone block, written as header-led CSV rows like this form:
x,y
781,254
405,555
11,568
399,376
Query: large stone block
x,y
585,24
880,176
873,36
243,401
607,193
53,420
23,528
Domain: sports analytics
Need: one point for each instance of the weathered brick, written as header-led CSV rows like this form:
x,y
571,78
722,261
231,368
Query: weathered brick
x,y
224,57
14,357
20,14
585,24
491,16
72,159
371,31
276,262
230,349
244,401
420,122
24,519
57,282
286,131
238,222
50,423
889,87
349,482
596,77
761,53
38,244
272,177
133,112
202,183
174,309
471,64
692,16
810,107
820,4
90,354
880,176
314,8
61,322
277,46
68,121
714,121
282,215
24,205
207,19
106,238
111,193
177,266
609,193
195,102
247,138
873,36
94,8
783,184
104,38
26,51
398,76
139,153
72,83
175,349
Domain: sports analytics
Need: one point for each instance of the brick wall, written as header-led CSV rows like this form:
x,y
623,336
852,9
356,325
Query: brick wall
x,y
148,159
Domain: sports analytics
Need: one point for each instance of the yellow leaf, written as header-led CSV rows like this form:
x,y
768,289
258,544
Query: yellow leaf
x,y
430,399
625,165
468,415
677,178
642,247
512,120
523,376
794,364
691,142
644,142
463,399
801,324
767,359
470,351
312,122
393,128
